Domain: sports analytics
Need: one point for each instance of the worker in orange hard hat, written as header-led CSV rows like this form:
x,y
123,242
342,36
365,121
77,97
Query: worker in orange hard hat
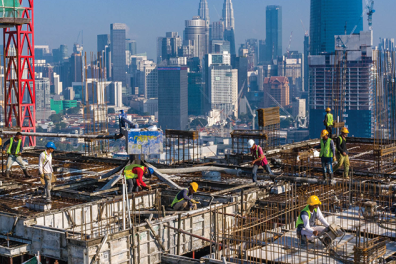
x,y
327,153
342,152
306,221
329,122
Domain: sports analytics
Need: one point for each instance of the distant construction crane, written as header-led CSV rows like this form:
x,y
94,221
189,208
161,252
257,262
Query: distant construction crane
x,y
370,12
288,48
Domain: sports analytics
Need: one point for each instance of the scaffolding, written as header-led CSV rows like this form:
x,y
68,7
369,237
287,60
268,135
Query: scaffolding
x,y
182,146
269,123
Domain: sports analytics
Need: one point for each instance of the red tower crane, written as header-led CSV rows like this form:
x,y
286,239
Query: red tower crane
x,y
19,89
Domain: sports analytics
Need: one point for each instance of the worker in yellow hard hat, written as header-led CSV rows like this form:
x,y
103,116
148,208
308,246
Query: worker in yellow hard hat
x,y
329,122
306,221
342,152
327,154
184,199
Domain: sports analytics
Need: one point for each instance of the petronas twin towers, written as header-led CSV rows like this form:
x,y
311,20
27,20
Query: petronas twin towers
x,y
227,19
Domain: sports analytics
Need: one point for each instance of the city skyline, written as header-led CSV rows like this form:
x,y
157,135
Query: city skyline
x,y
249,21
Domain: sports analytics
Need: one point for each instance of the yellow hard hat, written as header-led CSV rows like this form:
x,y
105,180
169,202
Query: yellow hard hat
x,y
324,133
328,109
194,186
345,130
313,200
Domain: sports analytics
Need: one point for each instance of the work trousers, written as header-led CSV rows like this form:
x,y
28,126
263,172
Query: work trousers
x,y
48,186
12,158
342,160
183,206
327,165
309,235
330,130
267,168
132,185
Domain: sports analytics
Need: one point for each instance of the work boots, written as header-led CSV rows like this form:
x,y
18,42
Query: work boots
x,y
26,173
331,178
325,178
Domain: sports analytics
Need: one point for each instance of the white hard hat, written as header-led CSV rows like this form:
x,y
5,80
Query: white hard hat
x,y
251,143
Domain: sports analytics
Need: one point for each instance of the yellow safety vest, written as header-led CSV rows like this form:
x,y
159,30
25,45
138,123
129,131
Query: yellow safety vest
x,y
18,149
175,201
325,150
306,209
128,171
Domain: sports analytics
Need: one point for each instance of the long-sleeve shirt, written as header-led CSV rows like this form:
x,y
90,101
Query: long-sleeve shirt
x,y
306,220
184,195
139,179
341,147
45,163
14,146
254,151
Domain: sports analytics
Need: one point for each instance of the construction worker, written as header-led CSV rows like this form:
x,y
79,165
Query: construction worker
x,y
45,169
329,122
259,159
14,151
327,152
342,152
184,198
306,221
134,177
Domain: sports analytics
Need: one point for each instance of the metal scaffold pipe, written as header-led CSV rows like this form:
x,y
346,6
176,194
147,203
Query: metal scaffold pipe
x,y
35,134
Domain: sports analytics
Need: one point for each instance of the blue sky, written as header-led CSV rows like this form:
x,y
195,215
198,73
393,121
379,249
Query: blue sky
x,y
60,21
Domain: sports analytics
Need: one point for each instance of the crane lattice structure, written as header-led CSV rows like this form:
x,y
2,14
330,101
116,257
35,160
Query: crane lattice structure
x,y
19,78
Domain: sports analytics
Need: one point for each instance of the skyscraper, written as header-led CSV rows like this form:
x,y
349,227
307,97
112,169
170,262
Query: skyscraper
x,y
168,46
273,27
203,12
229,24
305,72
217,31
330,18
173,98
195,35
102,41
131,46
347,88
118,56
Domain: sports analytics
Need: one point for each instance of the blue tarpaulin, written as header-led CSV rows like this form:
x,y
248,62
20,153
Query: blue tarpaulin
x,y
145,142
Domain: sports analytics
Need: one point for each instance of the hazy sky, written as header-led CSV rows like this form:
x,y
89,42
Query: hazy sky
x,y
60,21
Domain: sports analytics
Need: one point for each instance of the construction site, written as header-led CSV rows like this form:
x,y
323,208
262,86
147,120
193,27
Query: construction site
x,y
93,219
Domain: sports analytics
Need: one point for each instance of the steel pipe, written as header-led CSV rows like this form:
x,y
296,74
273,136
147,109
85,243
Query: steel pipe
x,y
35,134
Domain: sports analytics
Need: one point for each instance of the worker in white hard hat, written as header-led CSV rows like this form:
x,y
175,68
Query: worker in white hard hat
x,y
306,221
259,159
342,152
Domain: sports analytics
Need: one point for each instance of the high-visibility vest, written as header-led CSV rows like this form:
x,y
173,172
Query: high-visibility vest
x,y
257,151
128,171
18,149
329,119
325,150
306,209
175,200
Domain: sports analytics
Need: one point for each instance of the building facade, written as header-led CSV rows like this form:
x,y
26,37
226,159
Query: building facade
x,y
118,55
173,97
276,87
273,32
103,40
333,17
196,93
195,34
343,81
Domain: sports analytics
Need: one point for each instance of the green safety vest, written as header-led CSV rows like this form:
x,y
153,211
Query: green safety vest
x,y
325,150
329,119
175,200
306,209
128,171
18,149
257,151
